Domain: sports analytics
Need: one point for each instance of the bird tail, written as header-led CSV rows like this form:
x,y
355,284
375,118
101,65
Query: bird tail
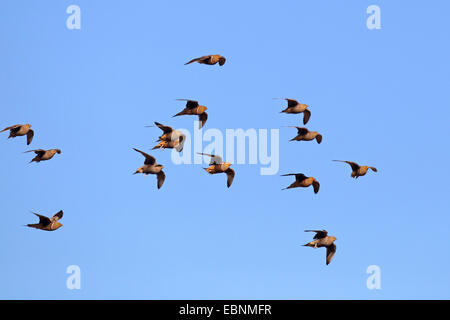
x,y
179,114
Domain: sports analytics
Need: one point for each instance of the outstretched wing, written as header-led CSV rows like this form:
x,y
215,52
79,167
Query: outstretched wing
x,y
214,159
11,127
149,160
202,118
291,102
30,135
331,250
230,176
354,165
319,233
165,129
160,178
316,186
306,116
39,152
190,104
43,220
298,176
58,216
198,59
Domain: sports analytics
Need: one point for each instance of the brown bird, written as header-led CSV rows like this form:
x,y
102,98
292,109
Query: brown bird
x,y
217,165
211,59
303,181
357,170
295,108
151,167
170,138
304,134
323,240
43,155
47,224
193,108
19,130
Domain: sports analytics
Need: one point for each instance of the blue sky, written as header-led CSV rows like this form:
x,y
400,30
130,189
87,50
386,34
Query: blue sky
x,y
379,97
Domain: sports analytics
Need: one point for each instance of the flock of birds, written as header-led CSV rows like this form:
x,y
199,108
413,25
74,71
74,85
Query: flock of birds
x,y
174,139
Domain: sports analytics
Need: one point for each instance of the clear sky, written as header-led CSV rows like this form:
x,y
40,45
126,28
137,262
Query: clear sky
x,y
379,97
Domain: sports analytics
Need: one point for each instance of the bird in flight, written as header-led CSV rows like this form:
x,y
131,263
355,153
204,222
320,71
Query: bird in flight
x,y
151,167
43,155
321,239
295,108
193,108
170,138
303,181
19,130
357,170
216,165
210,60
304,134
47,224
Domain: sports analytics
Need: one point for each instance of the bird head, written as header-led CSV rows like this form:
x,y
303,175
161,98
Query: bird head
x,y
57,225
333,238
203,109
160,166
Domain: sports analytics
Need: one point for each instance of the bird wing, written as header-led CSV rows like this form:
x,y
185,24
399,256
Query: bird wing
x,y
30,135
198,59
316,186
374,169
302,131
298,176
306,116
58,215
43,220
202,118
354,165
319,233
190,104
150,160
181,140
291,102
230,176
12,127
214,159
165,129
331,250
160,178
39,152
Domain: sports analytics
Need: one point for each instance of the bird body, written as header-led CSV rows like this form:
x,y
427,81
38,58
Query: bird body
x,y
151,167
47,224
43,155
209,60
170,138
323,240
303,181
304,134
294,107
19,130
357,170
217,165
193,108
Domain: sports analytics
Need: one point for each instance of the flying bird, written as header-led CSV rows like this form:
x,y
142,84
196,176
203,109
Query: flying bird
x,y
43,155
151,167
304,134
193,108
216,165
321,239
303,181
357,170
19,130
47,224
295,108
210,60
170,138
